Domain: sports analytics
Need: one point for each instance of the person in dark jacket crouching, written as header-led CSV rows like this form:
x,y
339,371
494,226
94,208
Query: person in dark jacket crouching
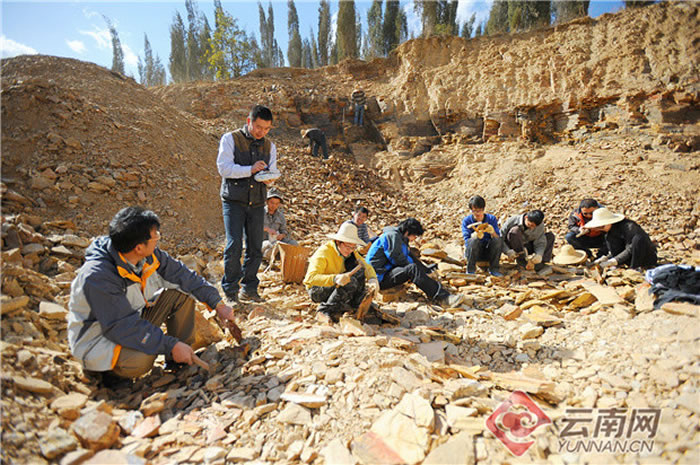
x,y
580,235
125,291
391,259
627,242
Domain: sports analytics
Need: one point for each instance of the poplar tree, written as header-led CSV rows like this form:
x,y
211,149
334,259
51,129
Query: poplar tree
x,y
193,47
324,32
269,49
151,71
230,52
117,52
468,27
374,40
566,10
345,31
178,54
523,16
294,49
498,18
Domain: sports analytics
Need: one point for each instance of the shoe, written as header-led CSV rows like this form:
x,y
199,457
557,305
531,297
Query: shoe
x,y
232,298
173,366
471,270
251,296
451,300
333,316
496,273
113,382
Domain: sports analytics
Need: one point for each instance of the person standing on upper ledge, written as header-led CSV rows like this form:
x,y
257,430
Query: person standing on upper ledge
x,y
359,100
247,163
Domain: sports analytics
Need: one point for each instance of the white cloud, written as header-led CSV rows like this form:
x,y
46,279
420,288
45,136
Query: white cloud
x,y
413,21
77,46
466,8
130,58
101,36
90,14
10,48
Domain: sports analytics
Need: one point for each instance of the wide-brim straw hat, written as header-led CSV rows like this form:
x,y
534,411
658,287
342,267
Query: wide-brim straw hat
x,y
602,217
348,233
569,256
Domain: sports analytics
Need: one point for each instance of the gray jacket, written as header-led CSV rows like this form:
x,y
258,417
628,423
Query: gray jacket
x,y
536,236
109,294
275,221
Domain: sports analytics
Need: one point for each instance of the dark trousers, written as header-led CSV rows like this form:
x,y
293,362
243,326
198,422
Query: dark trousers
x,y
516,241
337,300
478,249
173,308
242,222
315,144
586,243
416,273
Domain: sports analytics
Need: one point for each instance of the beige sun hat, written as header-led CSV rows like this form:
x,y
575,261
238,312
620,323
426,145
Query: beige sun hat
x,y
348,233
602,217
569,256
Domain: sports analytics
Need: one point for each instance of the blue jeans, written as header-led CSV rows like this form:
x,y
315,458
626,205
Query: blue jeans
x,y
241,222
359,114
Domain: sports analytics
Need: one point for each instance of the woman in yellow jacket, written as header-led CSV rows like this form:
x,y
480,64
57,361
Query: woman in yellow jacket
x,y
338,277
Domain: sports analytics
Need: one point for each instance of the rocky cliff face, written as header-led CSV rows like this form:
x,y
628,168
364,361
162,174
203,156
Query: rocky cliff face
x,y
635,67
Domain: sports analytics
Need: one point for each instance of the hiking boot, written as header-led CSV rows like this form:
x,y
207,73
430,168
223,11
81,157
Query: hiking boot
x,y
250,296
113,382
232,298
495,273
451,300
471,269
173,366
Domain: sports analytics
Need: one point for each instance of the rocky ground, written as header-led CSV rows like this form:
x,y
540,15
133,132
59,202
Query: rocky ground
x,y
80,142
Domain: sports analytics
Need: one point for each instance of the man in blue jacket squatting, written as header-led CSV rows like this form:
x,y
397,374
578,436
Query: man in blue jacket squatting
x,y
125,291
394,264
482,238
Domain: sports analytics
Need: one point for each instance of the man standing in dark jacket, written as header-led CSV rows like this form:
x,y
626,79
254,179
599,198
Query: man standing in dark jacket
x,y
627,242
317,139
244,155
125,291
391,259
580,235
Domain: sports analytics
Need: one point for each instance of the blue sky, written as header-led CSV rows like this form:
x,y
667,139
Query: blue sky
x,y
76,29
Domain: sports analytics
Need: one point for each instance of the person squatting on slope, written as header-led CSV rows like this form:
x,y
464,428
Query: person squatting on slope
x,y
390,257
338,277
580,234
126,289
525,233
627,243
482,238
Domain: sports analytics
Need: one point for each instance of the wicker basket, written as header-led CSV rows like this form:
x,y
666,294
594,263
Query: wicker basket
x,y
295,259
